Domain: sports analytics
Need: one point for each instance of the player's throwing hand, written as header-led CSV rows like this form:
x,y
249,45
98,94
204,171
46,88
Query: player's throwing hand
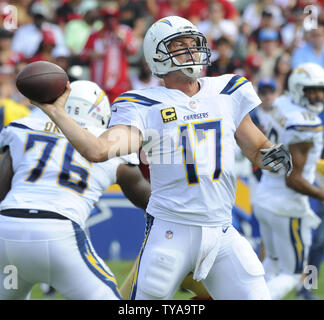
x,y
58,105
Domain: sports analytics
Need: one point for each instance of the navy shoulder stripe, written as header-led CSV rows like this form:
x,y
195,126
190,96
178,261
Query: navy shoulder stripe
x,y
236,82
303,127
19,125
134,97
22,126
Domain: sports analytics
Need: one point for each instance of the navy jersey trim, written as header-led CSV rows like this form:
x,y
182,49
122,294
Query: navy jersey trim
x,y
133,97
235,83
19,125
22,126
305,127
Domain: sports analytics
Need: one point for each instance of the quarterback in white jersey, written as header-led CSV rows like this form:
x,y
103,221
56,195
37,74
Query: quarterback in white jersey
x,y
193,133
188,129
53,190
281,203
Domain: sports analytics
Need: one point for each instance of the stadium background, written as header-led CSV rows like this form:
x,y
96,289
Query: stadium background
x,y
254,38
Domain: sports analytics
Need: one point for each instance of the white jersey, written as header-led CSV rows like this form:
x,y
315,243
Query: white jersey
x,y
50,175
290,124
190,146
261,118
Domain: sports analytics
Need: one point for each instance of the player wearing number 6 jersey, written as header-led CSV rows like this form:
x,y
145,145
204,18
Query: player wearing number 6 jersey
x,y
188,129
53,190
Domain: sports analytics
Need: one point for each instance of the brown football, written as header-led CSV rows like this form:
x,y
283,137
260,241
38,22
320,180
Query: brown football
x,y
42,81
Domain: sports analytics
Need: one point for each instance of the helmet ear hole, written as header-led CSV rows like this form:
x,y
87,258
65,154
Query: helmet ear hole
x,y
157,57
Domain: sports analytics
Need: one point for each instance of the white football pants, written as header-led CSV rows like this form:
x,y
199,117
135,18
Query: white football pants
x,y
170,251
53,251
287,241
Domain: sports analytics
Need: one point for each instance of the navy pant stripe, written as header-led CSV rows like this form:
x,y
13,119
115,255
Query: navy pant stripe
x,y
149,223
297,243
89,257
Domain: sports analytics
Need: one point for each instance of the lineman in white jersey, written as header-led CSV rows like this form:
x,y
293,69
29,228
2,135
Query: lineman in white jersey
x,y
53,190
281,203
188,129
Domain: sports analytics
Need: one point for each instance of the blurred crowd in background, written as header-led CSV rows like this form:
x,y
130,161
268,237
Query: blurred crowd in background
x,y
102,40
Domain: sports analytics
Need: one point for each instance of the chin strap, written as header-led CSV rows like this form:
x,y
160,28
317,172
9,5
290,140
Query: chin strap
x,y
317,108
192,71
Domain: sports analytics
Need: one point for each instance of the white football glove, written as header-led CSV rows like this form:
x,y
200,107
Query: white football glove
x,y
277,157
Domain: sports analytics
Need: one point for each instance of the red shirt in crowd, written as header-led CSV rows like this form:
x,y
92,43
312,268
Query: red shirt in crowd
x,y
200,8
110,69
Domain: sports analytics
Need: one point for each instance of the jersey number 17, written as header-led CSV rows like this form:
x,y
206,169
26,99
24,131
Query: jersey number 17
x,y
188,154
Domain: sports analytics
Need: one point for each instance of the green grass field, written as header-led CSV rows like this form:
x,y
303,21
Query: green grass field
x,y
122,268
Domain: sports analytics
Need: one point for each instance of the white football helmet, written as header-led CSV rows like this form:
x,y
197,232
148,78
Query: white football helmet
x,y
158,57
306,75
88,104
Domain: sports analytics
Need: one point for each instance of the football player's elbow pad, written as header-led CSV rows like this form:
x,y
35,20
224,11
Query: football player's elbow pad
x,y
277,157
